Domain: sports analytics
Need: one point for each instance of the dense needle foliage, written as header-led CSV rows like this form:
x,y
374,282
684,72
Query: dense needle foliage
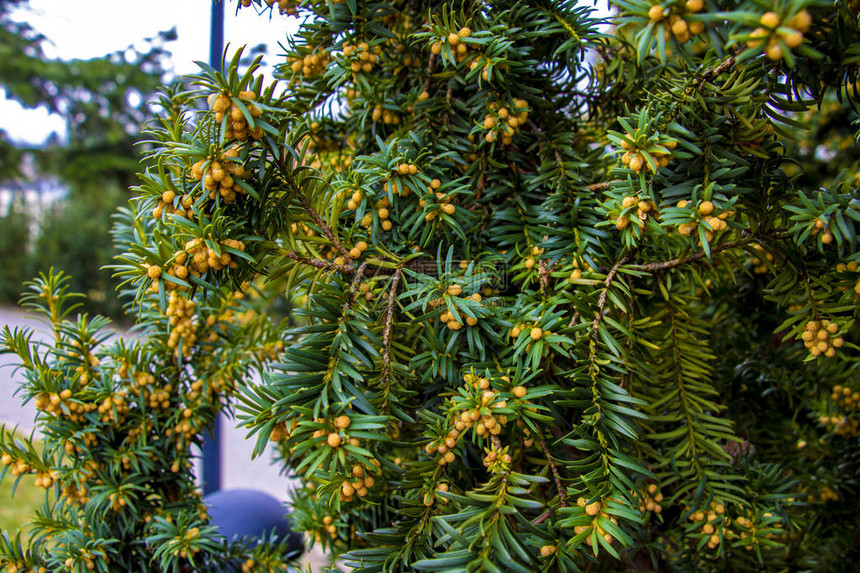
x,y
563,293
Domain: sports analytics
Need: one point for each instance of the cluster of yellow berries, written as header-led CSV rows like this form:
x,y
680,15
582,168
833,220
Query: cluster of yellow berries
x,y
117,501
547,550
388,117
535,332
705,212
19,567
309,64
280,431
19,467
820,225
651,499
184,550
496,460
849,267
359,248
219,179
383,213
438,201
827,494
759,266
46,479
237,124
365,290
114,408
88,438
451,320
335,438
330,527
504,122
204,258
675,24
167,204
154,397
354,201
843,396
181,314
485,425
715,523
430,497
778,32
363,56
485,69
840,425
576,273
358,483
818,337
89,361
288,7
635,160
183,432
644,208
87,559
534,255
594,509
61,406
407,169
303,227
459,49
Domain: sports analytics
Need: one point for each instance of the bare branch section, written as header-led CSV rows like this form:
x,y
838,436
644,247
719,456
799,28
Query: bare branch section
x,y
713,73
665,265
602,186
430,64
601,302
319,263
389,320
558,485
324,228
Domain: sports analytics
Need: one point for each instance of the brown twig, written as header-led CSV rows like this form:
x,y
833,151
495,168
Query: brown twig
x,y
359,274
449,95
319,263
601,302
389,320
542,517
326,230
430,64
664,265
602,186
712,73
558,485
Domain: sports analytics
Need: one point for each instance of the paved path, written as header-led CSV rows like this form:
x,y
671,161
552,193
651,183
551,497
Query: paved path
x,y
238,469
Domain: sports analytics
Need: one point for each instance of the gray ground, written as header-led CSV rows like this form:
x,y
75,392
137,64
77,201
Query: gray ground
x,y
238,469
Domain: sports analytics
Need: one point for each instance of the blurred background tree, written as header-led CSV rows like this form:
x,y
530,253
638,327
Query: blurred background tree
x,y
103,102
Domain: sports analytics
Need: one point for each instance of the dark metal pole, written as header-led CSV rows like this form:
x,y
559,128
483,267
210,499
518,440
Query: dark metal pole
x,y
211,449
216,42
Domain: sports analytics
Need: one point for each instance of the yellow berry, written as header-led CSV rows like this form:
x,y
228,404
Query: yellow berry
x,y
769,20
655,13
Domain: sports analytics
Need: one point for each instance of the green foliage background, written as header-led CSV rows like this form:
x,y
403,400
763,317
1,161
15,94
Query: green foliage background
x,y
103,101
565,297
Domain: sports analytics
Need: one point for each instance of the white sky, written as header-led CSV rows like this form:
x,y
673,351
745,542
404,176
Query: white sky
x,y
92,28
